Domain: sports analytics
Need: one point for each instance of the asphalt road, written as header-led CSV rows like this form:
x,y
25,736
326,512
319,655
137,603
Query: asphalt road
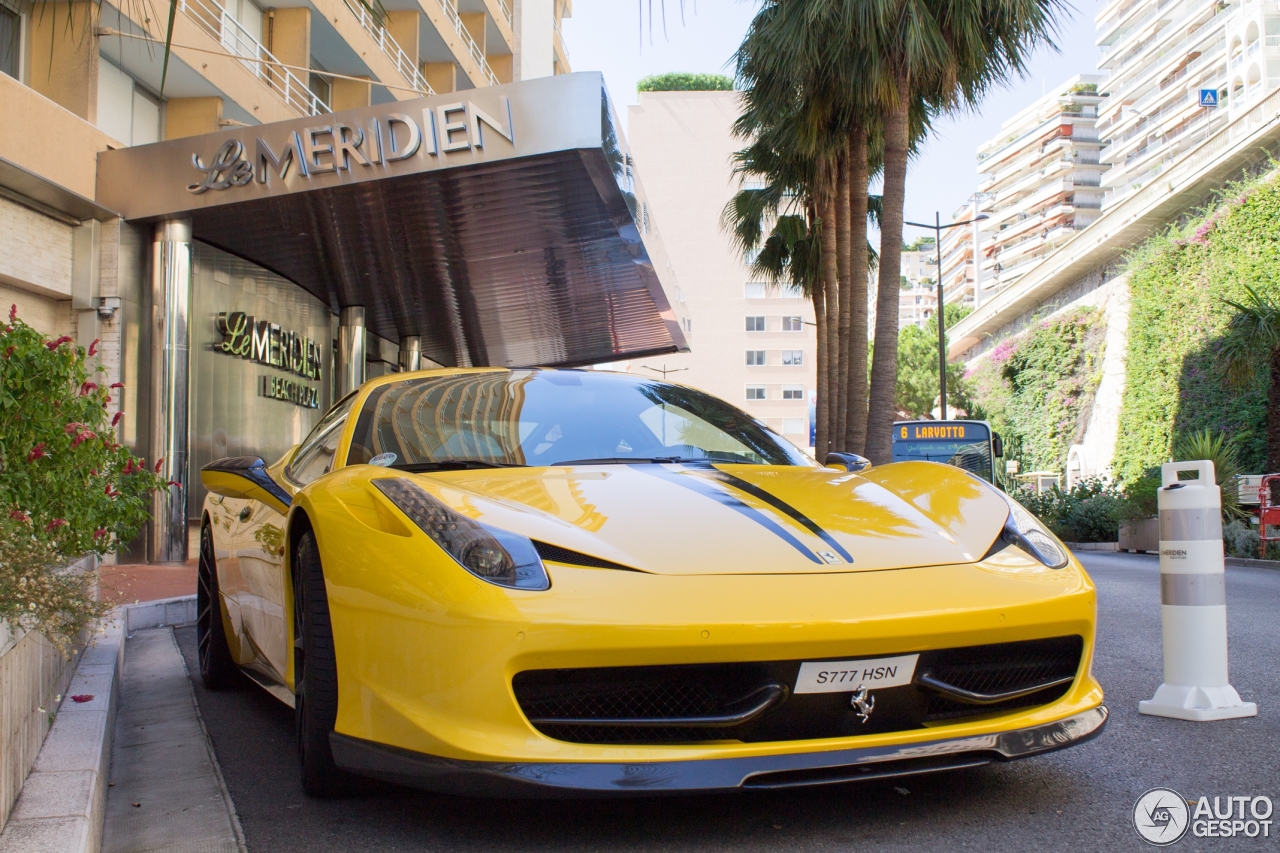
x,y
1076,800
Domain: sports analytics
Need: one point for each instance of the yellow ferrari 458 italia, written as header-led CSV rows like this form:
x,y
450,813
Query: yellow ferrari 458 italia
x,y
544,582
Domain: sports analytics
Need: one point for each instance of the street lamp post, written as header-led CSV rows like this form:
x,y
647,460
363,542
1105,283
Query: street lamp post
x,y
938,228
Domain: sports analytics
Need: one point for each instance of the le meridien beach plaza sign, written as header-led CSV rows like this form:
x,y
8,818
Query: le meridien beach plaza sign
x,y
378,142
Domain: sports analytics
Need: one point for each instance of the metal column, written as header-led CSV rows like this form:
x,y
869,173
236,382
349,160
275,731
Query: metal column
x,y
350,354
170,386
411,353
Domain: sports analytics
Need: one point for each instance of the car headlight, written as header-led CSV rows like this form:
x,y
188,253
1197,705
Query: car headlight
x,y
493,555
1026,532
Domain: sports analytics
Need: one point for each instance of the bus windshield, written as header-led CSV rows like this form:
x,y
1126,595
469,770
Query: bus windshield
x,y
964,445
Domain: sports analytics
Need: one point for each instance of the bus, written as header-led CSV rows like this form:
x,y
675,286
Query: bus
x,y
970,445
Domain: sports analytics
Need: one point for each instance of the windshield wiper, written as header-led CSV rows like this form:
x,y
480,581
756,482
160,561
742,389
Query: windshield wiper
x,y
629,460
452,465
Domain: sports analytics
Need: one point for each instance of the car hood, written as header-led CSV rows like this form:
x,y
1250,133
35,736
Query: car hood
x,y
735,519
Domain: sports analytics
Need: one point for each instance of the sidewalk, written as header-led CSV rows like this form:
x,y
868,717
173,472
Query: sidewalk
x,y
167,793
132,583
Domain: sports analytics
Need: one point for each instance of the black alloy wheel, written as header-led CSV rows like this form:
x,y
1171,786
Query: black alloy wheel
x,y
315,674
217,668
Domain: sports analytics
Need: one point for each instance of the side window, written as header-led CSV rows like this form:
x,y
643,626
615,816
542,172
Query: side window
x,y
315,456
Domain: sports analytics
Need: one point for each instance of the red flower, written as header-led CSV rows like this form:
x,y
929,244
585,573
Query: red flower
x,y
110,491
93,347
57,522
36,452
19,515
99,533
9,350
115,419
175,483
87,387
83,437
117,384
159,462
13,312
53,345
73,427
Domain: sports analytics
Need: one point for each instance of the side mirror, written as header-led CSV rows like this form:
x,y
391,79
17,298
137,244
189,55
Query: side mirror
x,y
847,461
997,445
245,478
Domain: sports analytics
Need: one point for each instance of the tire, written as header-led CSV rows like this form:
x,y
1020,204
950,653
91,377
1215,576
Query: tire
x,y
315,673
218,669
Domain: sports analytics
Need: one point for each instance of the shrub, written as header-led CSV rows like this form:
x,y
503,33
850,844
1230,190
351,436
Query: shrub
x,y
1037,388
685,82
1179,321
1241,539
67,488
1089,512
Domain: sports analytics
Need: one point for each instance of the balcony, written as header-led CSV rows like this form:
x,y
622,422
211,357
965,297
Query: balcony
x,y
407,67
454,21
226,30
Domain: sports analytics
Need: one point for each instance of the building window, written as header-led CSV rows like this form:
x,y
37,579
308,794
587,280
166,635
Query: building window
x,y
756,290
793,392
125,111
793,357
755,392
10,29
755,357
792,324
793,426
320,85
755,324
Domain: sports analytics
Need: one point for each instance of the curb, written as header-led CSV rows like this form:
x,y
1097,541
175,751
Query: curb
x,y
63,800
1252,563
1093,546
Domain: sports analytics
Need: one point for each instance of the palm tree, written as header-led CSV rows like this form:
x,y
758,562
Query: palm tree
x,y
1255,340
947,53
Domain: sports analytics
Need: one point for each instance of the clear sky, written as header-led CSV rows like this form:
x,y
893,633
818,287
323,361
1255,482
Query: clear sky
x,y
608,36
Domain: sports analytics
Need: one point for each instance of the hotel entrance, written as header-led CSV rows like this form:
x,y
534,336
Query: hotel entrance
x,y
289,262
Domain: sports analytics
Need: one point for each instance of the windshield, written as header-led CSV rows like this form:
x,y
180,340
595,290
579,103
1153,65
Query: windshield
x,y
533,417
972,456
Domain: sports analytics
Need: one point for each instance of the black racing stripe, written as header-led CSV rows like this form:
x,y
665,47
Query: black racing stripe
x,y
778,504
726,499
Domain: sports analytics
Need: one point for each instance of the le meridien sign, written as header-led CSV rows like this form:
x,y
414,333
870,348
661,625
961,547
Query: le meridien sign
x,y
267,343
339,146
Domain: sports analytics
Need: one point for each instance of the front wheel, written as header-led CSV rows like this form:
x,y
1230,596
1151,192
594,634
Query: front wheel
x,y
217,667
315,674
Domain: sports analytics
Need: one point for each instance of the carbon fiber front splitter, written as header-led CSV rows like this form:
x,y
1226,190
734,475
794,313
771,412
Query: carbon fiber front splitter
x,y
708,775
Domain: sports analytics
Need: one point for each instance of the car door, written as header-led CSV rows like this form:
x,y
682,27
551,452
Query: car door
x,y
260,547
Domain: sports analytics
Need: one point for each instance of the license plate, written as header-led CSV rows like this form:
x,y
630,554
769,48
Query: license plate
x,y
846,676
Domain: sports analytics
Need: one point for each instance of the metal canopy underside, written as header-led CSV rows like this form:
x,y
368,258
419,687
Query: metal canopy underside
x,y
516,256
512,263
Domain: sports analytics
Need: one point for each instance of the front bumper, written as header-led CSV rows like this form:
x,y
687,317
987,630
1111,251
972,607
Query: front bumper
x,y
552,779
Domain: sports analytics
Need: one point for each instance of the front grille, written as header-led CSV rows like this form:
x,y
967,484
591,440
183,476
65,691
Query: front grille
x,y
653,693
999,669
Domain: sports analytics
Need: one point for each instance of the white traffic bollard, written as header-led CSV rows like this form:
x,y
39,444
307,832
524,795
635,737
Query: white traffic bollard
x,y
1193,601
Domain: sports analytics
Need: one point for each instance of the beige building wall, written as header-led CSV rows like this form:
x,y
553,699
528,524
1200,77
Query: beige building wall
x,y
681,143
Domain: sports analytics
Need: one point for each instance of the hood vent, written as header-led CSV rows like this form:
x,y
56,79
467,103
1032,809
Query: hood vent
x,y
556,554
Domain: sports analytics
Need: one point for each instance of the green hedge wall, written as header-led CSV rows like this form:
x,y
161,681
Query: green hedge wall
x,y
1177,323
1037,388
685,82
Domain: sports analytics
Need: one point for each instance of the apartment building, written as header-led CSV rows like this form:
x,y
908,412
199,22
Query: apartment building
x,y
1159,54
317,194
754,345
1191,102
959,272
1038,182
919,263
916,305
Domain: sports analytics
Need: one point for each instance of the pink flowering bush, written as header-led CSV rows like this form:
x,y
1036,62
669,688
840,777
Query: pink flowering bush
x,y
67,487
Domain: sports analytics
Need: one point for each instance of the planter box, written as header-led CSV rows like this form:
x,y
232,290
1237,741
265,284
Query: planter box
x,y
1142,536
33,674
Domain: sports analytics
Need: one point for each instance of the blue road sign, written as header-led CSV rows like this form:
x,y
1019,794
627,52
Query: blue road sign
x,y
1208,97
